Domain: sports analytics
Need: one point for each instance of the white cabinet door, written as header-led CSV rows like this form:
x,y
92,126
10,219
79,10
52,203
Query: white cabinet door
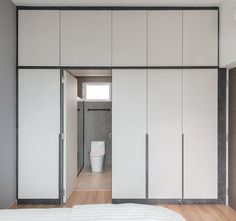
x,y
165,38
200,133
38,133
70,130
38,40
129,38
128,133
200,38
165,133
85,38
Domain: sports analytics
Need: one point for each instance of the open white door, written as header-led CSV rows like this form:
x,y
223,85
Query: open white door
x,y
70,131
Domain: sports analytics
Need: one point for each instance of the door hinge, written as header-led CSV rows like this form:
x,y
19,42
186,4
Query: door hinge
x,y
62,136
63,193
63,79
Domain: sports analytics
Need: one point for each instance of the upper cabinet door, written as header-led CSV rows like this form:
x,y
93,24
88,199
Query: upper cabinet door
x,y
38,40
200,38
129,38
86,38
165,38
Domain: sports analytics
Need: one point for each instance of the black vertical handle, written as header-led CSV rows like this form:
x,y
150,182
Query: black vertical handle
x,y
146,164
182,165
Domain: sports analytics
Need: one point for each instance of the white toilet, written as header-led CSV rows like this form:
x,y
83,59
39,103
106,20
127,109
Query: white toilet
x,y
97,155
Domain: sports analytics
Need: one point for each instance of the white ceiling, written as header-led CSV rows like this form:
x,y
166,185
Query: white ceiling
x,y
116,2
90,73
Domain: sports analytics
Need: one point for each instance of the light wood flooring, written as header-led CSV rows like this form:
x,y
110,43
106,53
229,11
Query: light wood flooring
x,y
87,195
189,212
94,181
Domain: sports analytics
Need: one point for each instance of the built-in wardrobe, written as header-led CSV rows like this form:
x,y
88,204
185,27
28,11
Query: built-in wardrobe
x,y
166,135
165,117
165,95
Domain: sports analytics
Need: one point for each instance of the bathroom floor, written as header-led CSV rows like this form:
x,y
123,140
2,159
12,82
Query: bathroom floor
x,y
94,181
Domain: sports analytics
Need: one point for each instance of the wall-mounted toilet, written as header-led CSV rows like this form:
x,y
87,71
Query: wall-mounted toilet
x,y
97,155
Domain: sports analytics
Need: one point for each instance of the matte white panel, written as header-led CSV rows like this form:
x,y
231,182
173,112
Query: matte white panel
x,y
165,133
70,130
39,127
128,133
200,38
200,133
38,38
165,38
86,38
129,38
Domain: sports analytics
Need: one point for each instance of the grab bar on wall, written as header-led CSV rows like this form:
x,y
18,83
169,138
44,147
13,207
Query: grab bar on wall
x,y
98,109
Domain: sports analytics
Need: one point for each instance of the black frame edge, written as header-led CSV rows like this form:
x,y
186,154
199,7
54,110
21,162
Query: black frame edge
x,y
117,67
38,201
117,8
166,201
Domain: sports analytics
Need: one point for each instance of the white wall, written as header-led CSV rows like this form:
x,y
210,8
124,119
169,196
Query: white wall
x,y
7,103
227,33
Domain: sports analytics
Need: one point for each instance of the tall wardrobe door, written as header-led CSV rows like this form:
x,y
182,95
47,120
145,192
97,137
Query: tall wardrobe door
x,y
38,132
200,133
165,133
200,38
128,133
129,38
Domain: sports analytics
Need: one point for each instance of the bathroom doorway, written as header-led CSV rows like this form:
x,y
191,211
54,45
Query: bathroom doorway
x,y
94,116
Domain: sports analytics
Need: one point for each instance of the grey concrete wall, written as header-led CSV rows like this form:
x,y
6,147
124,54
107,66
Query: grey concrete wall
x,y
7,104
97,127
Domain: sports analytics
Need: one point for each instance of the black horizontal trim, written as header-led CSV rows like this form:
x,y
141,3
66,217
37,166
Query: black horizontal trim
x,y
166,201
98,109
117,67
38,201
39,67
116,8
